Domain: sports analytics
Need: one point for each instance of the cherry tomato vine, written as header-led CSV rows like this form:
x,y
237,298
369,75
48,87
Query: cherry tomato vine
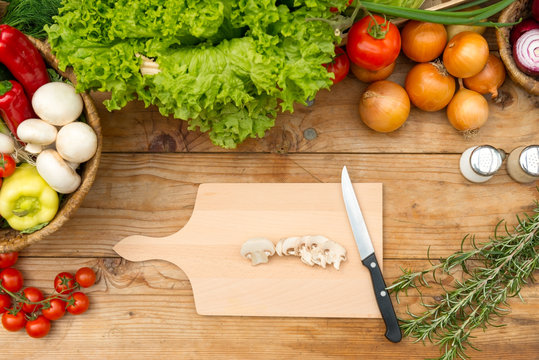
x,y
28,308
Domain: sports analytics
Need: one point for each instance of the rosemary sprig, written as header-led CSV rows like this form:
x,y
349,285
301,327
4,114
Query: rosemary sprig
x,y
493,272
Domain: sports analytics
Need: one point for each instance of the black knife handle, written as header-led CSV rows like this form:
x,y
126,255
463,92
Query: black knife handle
x,y
393,331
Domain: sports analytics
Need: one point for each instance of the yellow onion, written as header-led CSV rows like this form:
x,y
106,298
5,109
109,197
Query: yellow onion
x,y
468,110
369,76
466,54
384,106
429,86
489,79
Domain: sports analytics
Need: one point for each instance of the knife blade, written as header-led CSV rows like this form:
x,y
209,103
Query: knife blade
x,y
368,258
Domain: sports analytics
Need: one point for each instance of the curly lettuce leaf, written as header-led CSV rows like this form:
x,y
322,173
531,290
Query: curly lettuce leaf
x,y
225,66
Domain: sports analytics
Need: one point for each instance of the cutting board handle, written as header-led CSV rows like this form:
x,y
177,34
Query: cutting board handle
x,y
141,248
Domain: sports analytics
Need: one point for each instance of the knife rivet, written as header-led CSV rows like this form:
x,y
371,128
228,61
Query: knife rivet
x,y
383,293
373,264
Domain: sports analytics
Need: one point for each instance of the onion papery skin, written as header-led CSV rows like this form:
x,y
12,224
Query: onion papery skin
x,y
526,52
489,79
423,41
466,54
369,76
468,110
429,86
384,106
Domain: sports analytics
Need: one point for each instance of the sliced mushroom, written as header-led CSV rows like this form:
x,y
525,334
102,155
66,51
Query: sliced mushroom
x,y
76,142
36,133
56,172
289,246
257,250
313,250
334,253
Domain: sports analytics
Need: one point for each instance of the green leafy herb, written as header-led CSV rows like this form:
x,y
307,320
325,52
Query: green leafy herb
x,y
494,271
30,16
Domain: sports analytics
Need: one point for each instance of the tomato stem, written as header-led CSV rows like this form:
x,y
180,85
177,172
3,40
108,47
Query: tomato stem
x,y
377,30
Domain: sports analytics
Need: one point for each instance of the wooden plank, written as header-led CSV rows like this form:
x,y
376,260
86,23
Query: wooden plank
x,y
427,202
332,124
143,309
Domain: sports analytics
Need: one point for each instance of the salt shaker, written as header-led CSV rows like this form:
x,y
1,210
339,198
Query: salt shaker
x,y
479,163
523,164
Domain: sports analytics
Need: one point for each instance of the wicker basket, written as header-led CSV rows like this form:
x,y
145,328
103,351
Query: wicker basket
x,y
11,240
518,9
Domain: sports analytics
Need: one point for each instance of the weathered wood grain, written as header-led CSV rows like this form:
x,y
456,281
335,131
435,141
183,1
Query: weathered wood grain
x,y
131,298
427,202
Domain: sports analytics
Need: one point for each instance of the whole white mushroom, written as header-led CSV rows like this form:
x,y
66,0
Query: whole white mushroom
x,y
57,103
56,172
36,133
76,142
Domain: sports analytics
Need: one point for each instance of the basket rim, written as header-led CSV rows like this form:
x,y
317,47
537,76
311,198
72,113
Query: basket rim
x,y
14,240
511,14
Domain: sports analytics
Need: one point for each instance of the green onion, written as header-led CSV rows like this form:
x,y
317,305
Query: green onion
x,y
473,17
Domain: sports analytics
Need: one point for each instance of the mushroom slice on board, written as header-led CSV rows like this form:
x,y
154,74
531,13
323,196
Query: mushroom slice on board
x,y
257,250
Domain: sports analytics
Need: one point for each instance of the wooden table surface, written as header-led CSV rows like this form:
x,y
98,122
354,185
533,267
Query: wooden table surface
x,y
147,181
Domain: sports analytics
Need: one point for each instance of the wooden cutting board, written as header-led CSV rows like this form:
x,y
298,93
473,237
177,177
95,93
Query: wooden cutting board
x,y
207,249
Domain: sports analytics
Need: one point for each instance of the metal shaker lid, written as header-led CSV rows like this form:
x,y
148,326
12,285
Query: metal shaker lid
x,y
486,160
529,160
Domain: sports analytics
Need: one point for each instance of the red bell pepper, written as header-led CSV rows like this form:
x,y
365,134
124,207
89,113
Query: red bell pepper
x,y
22,59
14,105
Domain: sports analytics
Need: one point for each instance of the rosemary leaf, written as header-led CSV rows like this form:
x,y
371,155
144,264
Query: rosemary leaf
x,y
493,272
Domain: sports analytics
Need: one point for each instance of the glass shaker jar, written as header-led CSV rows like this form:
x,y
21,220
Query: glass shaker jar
x,y
479,163
523,164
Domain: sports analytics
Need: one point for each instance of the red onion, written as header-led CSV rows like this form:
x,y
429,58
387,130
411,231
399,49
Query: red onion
x,y
526,52
522,27
535,9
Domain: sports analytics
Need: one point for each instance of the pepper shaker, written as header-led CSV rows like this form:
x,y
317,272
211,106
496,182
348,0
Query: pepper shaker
x,y
523,164
479,163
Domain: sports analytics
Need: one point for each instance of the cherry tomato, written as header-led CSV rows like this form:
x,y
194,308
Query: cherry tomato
x,y
85,277
13,322
7,165
5,303
339,66
64,283
34,295
77,303
369,52
8,259
11,279
39,327
54,309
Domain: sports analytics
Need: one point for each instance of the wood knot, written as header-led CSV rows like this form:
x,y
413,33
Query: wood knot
x,y
163,143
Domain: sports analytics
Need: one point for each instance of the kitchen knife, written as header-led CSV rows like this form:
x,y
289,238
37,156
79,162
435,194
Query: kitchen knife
x,y
368,258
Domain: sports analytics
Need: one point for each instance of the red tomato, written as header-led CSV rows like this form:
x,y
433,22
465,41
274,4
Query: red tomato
x,y
11,279
85,277
32,294
54,309
13,322
5,302
339,66
77,303
7,165
8,259
64,283
39,327
369,52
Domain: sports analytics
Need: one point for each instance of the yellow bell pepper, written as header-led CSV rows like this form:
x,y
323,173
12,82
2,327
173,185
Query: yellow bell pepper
x,y
26,200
